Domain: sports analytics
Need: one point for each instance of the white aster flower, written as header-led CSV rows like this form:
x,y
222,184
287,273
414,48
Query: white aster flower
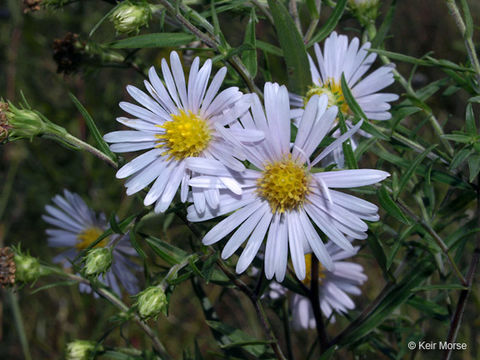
x,y
334,288
339,57
76,226
283,197
177,121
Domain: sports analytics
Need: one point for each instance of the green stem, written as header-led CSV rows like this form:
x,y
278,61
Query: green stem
x,y
89,148
469,45
157,344
17,316
7,188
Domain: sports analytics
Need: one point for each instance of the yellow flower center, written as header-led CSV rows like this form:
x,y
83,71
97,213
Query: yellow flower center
x,y
185,135
334,92
284,184
308,270
88,236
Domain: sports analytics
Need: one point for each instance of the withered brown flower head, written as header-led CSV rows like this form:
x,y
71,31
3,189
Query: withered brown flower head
x,y
67,53
7,267
31,5
3,121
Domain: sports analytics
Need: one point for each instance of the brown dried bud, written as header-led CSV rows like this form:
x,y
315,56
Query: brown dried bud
x,y
7,267
3,121
31,5
68,53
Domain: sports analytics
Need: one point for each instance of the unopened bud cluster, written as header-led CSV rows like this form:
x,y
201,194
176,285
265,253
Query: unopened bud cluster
x,y
151,302
366,11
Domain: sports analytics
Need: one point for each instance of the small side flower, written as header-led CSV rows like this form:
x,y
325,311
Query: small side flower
x,y
98,261
129,17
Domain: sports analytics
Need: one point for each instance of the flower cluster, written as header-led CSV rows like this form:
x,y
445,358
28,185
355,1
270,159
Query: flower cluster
x,y
235,157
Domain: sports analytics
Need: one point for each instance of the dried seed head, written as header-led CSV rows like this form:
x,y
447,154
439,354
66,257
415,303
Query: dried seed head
x,y
68,53
7,267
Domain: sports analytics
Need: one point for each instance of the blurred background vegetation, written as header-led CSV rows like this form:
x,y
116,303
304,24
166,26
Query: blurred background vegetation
x,y
32,172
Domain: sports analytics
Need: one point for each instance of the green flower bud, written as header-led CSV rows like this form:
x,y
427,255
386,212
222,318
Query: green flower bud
x,y
24,123
28,269
129,17
81,350
97,261
151,302
365,11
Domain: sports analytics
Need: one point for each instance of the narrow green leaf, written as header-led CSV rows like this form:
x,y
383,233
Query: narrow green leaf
x,y
330,24
460,157
378,252
468,19
385,27
93,128
473,166
249,57
470,125
327,355
459,138
347,145
157,40
312,9
350,99
439,287
373,130
269,48
410,171
294,51
387,203
114,224
171,254
428,308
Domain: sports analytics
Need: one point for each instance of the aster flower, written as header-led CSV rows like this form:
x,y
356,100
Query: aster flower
x,y
283,197
76,226
176,122
335,286
339,57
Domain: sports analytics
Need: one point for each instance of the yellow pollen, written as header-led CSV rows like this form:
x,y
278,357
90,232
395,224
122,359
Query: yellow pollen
x,y
308,270
284,185
88,236
185,135
334,92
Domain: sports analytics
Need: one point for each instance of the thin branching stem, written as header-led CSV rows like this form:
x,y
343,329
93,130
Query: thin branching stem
x,y
212,42
258,309
76,142
17,317
469,45
315,301
157,344
462,300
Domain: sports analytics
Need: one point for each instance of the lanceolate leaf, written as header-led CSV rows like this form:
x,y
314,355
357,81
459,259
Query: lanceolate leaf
x,y
331,23
293,48
249,57
153,41
93,128
389,205
171,254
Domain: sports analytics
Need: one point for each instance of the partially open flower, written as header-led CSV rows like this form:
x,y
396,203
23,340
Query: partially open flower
x,y
98,261
129,17
81,350
151,302
28,269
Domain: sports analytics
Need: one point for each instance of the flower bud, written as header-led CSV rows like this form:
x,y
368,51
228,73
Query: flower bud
x,y
130,17
28,269
151,302
24,123
81,350
97,261
365,11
